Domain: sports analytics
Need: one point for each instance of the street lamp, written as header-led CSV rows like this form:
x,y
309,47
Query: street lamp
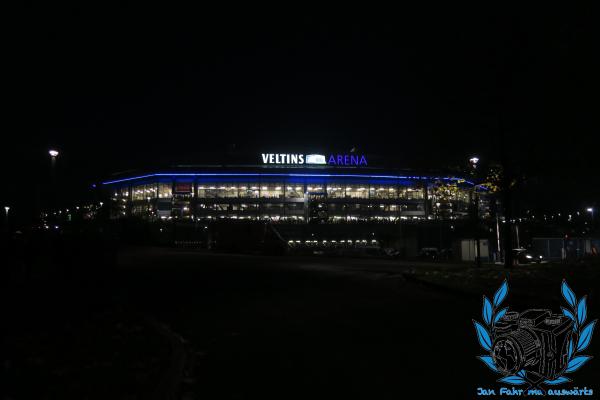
x,y
474,160
591,211
53,155
6,210
475,200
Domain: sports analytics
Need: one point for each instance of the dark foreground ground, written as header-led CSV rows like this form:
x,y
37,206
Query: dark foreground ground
x,y
183,324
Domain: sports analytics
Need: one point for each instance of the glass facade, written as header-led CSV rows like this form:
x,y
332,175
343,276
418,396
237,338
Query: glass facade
x,y
165,190
272,191
290,199
144,192
356,191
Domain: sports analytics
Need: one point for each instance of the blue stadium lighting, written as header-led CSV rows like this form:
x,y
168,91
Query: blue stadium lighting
x,y
288,175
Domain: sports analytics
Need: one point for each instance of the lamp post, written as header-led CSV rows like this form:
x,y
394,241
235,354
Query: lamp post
x,y
592,222
53,156
591,211
473,161
440,221
6,210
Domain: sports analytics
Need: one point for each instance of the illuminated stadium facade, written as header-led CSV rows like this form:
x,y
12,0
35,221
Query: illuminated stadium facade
x,y
292,188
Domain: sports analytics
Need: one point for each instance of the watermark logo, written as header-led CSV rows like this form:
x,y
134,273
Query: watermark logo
x,y
535,348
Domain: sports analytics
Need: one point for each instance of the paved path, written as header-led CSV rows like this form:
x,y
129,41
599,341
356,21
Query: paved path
x,y
291,328
276,327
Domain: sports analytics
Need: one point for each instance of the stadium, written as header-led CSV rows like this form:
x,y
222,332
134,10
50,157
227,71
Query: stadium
x,y
299,188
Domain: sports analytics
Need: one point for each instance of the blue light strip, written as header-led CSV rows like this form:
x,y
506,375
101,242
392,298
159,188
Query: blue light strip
x,y
217,174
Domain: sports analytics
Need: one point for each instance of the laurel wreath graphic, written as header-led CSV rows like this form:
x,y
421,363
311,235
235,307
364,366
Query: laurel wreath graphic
x,y
576,311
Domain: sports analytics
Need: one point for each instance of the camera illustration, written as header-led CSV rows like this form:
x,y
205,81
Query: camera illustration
x,y
536,341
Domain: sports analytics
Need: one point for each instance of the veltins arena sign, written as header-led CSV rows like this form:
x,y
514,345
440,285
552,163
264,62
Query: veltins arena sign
x,y
343,160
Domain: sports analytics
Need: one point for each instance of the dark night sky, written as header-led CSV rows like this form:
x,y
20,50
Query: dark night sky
x,y
132,88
